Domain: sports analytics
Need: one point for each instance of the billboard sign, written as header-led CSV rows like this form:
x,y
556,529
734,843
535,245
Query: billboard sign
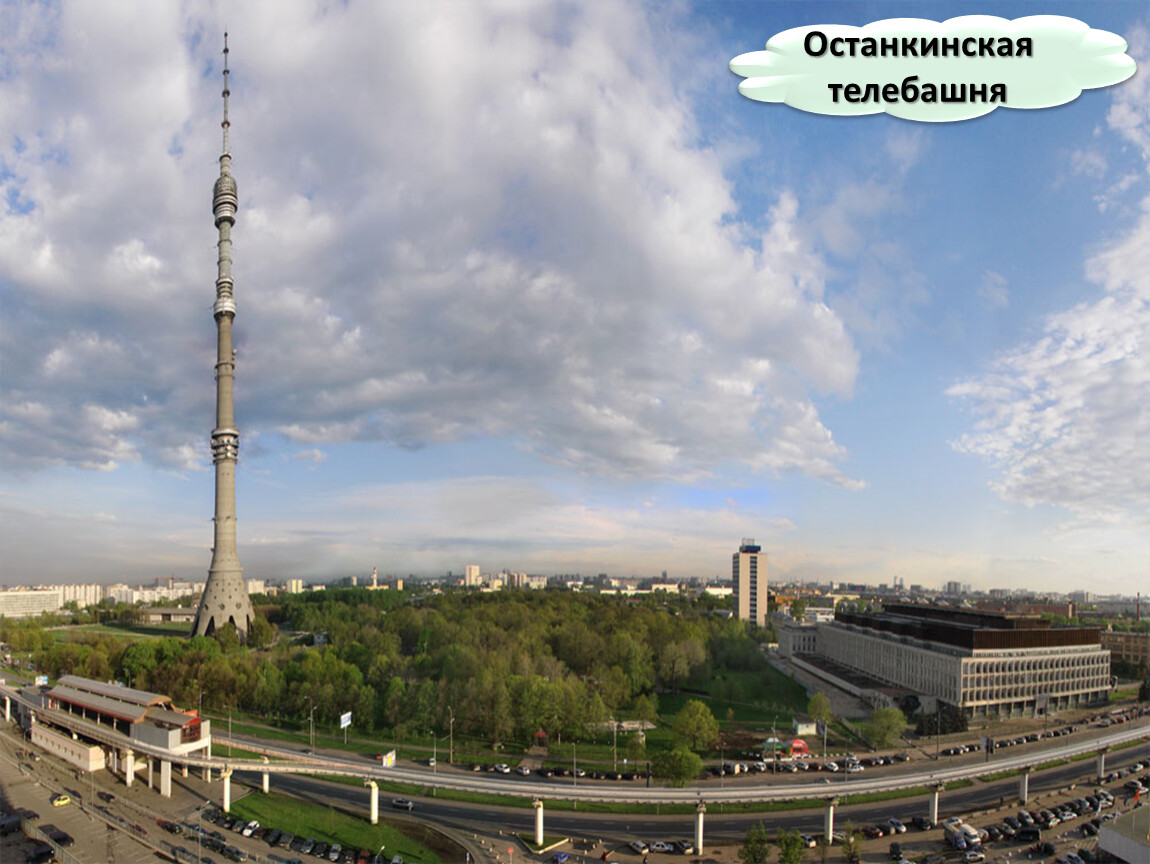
x,y
345,720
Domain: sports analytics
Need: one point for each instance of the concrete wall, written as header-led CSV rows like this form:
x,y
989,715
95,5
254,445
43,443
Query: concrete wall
x,y
83,756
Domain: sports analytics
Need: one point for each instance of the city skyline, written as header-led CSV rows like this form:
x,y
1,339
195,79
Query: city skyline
x,y
536,287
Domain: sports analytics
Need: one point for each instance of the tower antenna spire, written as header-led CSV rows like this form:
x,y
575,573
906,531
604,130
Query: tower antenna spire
x,y
227,92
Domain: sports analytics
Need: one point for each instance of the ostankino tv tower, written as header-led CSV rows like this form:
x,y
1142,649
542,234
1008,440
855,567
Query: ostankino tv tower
x,y
225,596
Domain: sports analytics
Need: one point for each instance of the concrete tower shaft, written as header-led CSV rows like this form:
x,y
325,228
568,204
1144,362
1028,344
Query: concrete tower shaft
x,y
225,595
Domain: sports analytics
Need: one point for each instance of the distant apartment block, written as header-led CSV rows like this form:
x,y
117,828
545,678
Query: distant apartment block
x,y
749,582
472,577
523,580
166,593
27,602
1131,647
293,586
82,595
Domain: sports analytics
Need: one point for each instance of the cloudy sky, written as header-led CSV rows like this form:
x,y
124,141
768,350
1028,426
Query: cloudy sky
x,y
532,286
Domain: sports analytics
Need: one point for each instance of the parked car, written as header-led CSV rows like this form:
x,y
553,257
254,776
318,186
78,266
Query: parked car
x,y
60,800
661,846
639,847
685,847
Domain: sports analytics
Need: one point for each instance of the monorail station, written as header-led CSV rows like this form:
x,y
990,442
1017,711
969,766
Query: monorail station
x,y
94,725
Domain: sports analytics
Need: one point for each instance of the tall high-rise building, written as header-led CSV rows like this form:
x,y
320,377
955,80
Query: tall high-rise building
x,y
225,596
749,582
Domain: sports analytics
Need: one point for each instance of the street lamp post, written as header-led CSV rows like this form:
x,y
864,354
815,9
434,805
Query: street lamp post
x,y
450,735
614,744
575,763
311,725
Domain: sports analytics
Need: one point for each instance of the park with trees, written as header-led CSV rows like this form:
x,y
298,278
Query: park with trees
x,y
491,669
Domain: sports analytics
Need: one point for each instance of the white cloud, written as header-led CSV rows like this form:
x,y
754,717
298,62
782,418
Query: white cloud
x,y
1064,417
993,291
493,222
1129,113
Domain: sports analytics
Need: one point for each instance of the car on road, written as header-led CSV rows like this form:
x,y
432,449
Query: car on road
x,y
60,800
57,835
41,852
402,804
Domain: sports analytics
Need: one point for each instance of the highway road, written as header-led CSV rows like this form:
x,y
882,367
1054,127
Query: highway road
x,y
730,825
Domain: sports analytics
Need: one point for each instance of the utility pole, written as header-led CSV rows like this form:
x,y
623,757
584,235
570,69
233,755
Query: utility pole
x,y
450,735
311,725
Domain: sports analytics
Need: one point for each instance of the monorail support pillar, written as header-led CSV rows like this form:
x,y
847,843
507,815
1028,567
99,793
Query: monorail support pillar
x,y
165,778
129,768
208,768
829,822
1101,772
1024,785
700,810
151,764
538,822
934,796
226,774
7,709
264,759
374,800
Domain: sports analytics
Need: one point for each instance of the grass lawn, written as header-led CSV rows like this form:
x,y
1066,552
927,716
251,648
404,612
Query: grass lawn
x,y
333,826
127,631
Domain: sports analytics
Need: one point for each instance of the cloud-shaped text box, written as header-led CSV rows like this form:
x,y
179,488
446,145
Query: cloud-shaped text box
x,y
852,70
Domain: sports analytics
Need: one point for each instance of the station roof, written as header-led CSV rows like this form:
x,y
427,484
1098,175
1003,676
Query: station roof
x,y
115,691
170,718
101,704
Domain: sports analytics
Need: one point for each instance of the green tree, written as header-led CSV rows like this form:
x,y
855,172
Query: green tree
x,y
756,846
819,708
679,767
636,748
792,849
851,844
798,608
885,726
647,708
696,723
227,637
1144,690
262,634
